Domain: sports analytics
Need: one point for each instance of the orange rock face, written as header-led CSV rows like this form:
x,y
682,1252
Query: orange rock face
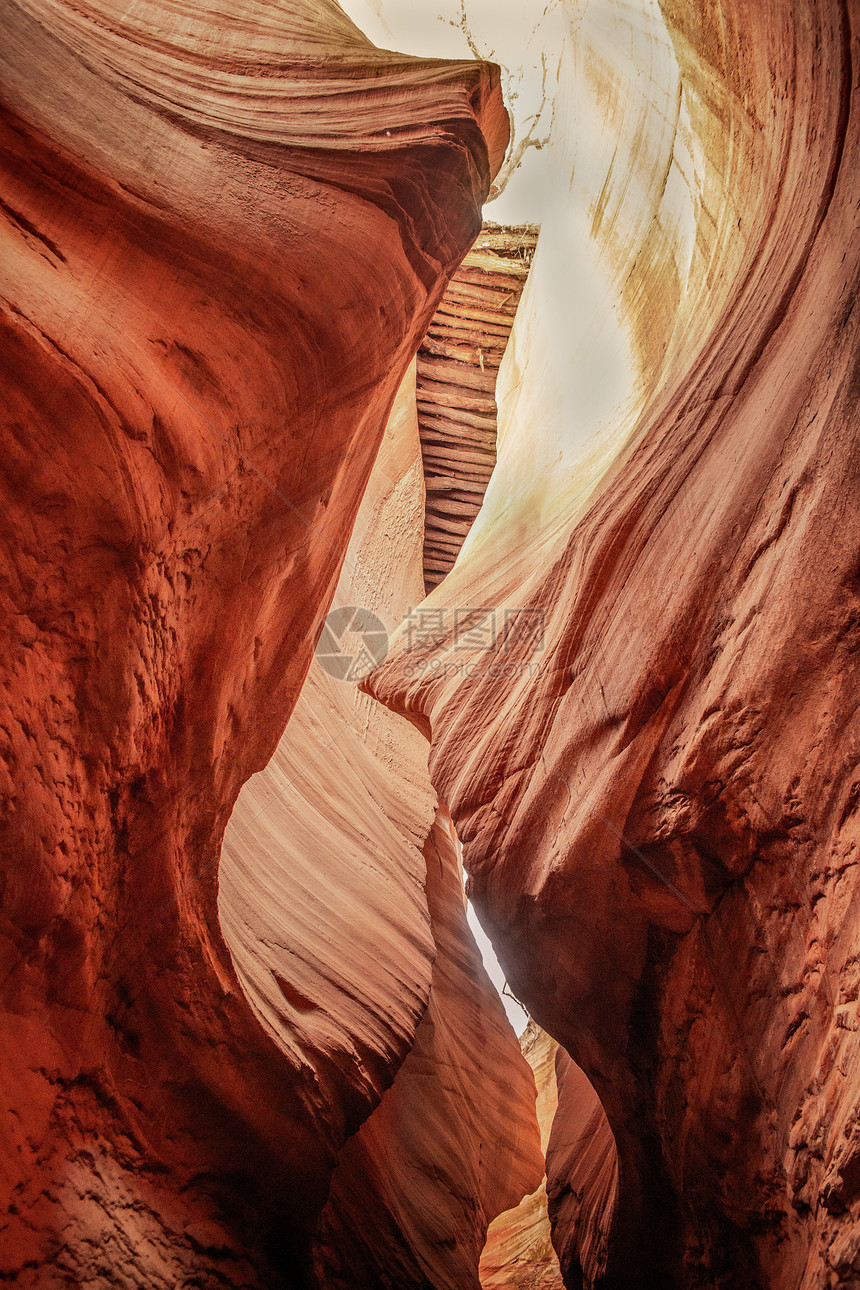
x,y
454,1140
197,374
660,823
341,901
225,232
582,1164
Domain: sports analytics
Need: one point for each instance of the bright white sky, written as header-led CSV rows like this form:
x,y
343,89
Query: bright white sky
x,y
517,1016
524,36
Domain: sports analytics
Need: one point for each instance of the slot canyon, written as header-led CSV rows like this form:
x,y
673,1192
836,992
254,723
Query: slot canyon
x,y
430,493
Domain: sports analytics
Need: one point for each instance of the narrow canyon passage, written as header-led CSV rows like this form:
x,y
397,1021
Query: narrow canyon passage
x,y
430,448
644,839
341,897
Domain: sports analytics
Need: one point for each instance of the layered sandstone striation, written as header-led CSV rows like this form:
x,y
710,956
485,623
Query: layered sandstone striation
x,y
660,820
458,364
454,1141
224,234
582,1166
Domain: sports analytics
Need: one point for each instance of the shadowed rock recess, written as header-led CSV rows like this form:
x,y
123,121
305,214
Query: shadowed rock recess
x,y
246,1038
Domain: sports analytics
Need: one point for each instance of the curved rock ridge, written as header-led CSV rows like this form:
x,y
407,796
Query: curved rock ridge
x,y
349,938
197,377
454,1141
662,839
322,877
519,1252
458,362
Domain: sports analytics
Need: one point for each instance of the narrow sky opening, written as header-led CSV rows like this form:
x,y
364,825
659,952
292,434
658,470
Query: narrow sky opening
x,y
517,1015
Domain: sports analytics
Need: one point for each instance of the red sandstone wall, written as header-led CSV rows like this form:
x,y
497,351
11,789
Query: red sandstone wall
x,y
661,829
222,240
518,1254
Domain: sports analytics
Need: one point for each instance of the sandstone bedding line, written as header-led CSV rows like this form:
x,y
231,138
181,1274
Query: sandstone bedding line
x,y
224,232
519,1250
458,364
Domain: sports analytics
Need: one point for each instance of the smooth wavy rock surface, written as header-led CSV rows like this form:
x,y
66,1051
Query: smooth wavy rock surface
x,y
349,937
458,364
322,877
197,377
519,1251
659,808
454,1142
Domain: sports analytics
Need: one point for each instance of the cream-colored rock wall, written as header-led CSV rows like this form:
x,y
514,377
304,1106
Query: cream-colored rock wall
x,y
518,1254
321,881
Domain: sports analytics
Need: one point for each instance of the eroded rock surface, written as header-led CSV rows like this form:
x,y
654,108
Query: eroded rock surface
x,y
582,1163
224,235
196,380
344,913
660,822
455,1140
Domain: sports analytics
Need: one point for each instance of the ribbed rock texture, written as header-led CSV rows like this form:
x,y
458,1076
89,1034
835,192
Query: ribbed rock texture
x,y
582,1164
224,233
321,879
660,820
458,362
